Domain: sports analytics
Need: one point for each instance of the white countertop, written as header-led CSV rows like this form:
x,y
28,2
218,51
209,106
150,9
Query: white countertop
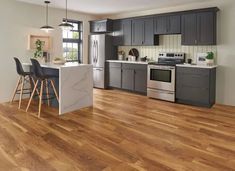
x,y
197,66
58,66
128,62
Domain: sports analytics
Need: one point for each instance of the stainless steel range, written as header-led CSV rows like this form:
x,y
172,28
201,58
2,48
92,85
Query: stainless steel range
x,y
161,76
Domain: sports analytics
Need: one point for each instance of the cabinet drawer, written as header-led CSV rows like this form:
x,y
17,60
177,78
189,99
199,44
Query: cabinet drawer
x,y
200,95
193,80
134,66
193,71
115,65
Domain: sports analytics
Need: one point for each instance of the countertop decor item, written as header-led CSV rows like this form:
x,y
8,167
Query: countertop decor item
x,y
65,25
39,49
59,61
47,28
210,58
134,52
201,59
121,55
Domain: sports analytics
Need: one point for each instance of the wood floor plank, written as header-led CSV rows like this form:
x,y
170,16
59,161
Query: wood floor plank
x,y
122,131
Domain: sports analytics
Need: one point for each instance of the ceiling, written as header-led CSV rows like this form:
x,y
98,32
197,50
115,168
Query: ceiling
x,y
101,7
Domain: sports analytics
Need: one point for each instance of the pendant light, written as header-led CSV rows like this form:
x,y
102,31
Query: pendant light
x,y
65,25
47,28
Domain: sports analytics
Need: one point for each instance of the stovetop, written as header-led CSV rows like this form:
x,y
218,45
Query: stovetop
x,y
163,63
169,59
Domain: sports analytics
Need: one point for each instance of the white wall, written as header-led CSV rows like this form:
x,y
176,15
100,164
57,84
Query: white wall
x,y
226,43
18,21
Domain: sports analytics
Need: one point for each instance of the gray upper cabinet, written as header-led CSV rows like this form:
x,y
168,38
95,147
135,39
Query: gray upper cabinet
x,y
168,24
189,29
122,32
137,32
101,26
126,27
143,32
206,28
149,38
174,24
117,33
199,28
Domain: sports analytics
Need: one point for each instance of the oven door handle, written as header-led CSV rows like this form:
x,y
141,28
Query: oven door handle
x,y
161,67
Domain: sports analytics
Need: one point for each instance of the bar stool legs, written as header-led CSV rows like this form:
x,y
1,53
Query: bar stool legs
x,y
17,86
46,84
34,89
20,88
47,89
53,86
40,99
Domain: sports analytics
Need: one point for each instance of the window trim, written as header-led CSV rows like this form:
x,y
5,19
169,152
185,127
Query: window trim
x,y
78,41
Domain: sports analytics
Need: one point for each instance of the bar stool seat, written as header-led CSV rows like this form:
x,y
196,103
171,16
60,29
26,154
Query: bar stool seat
x,y
44,80
24,77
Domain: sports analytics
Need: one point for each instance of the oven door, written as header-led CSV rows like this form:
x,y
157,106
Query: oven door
x,y
161,77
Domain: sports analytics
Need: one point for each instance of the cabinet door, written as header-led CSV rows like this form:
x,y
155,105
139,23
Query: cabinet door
x,y
137,31
193,85
126,30
98,77
141,81
161,25
206,28
174,24
115,77
117,33
148,32
189,29
128,79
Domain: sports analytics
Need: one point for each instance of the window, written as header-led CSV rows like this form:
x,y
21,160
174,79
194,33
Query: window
x,y
72,42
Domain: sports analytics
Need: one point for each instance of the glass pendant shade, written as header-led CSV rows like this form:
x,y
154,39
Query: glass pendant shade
x,y
65,25
47,28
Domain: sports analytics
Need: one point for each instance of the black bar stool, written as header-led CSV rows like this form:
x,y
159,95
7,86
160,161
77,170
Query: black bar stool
x,y
42,79
25,77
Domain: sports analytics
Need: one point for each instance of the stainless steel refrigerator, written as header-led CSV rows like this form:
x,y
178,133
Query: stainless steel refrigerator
x,y
100,49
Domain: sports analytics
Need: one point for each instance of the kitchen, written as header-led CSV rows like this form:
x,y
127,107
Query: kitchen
x,y
117,85
180,34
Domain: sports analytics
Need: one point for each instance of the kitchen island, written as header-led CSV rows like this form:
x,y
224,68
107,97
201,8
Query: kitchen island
x,y
74,85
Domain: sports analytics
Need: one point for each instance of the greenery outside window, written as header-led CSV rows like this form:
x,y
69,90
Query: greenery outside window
x,y
72,42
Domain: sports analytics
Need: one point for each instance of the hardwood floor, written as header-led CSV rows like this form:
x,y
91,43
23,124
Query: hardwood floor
x,y
121,132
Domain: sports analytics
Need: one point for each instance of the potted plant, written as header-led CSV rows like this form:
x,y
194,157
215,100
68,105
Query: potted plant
x,y
38,54
210,58
121,55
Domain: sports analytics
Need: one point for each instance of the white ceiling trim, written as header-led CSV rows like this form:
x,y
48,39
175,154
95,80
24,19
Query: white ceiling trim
x,y
110,7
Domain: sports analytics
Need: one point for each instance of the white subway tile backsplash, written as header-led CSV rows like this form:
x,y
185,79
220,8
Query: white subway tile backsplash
x,y
169,43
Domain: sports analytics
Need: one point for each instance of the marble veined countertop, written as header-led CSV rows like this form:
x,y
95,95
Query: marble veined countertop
x,y
128,62
58,66
197,66
75,85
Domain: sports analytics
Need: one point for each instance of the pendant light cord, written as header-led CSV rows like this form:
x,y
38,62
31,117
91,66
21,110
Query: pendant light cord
x,y
66,19
47,15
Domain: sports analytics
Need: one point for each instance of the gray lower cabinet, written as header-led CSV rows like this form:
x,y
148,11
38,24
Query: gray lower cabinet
x,y
195,86
128,79
131,77
141,80
115,75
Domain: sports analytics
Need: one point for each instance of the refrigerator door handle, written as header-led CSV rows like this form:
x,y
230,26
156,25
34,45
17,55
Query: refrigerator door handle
x,y
93,48
97,46
96,56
